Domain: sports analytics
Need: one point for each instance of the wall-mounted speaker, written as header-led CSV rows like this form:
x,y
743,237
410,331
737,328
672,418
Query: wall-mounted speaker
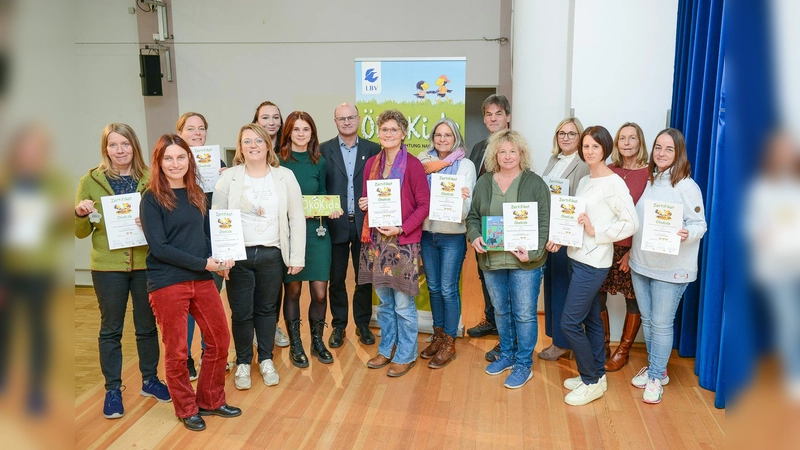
x,y
150,72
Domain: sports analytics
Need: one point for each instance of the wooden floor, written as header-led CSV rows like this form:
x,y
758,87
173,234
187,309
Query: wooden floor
x,y
345,405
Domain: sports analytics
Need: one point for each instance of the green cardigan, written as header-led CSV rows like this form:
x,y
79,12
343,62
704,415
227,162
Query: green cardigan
x,y
94,185
531,189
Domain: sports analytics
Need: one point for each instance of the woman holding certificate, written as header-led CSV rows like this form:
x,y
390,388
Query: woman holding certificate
x,y
512,277
300,153
564,165
444,244
629,161
390,256
659,278
174,217
610,216
120,272
274,229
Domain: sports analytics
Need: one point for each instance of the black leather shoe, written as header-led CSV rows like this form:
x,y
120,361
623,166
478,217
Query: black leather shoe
x,y
366,336
484,328
337,337
194,423
222,411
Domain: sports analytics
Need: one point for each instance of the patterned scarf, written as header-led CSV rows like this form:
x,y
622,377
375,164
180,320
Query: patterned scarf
x,y
448,165
397,172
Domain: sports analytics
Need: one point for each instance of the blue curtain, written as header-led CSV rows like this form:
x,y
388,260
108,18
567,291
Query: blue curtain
x,y
698,110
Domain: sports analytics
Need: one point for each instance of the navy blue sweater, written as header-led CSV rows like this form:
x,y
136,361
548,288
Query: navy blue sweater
x,y
178,240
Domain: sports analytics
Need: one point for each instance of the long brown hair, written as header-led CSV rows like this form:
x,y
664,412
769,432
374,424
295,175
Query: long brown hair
x,y
286,139
681,168
159,184
280,128
641,157
138,165
272,158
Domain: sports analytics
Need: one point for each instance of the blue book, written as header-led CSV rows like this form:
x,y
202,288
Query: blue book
x,y
492,231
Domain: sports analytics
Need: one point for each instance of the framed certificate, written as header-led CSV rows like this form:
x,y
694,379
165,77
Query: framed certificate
x,y
557,186
383,202
446,202
564,226
520,226
227,238
120,212
662,221
207,160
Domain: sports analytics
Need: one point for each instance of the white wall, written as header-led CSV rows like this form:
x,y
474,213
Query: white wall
x,y
624,54
302,57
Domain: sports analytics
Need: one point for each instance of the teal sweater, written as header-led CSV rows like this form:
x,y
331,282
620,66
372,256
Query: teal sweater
x,y
531,189
94,185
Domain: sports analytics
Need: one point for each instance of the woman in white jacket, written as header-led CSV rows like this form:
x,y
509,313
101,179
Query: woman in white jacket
x,y
659,279
271,205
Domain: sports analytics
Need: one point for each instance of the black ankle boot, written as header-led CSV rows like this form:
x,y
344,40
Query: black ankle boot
x,y
296,353
318,348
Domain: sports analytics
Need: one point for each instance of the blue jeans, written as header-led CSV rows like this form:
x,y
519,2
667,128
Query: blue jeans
x,y
442,259
515,294
397,316
658,302
581,320
782,300
112,290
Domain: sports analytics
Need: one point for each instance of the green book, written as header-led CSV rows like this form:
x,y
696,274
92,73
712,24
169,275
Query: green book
x,y
492,232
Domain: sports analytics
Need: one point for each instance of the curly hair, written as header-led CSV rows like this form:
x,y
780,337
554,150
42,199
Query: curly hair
x,y
517,142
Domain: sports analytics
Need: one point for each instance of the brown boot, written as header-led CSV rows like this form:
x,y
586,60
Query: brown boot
x,y
436,343
629,331
607,330
447,353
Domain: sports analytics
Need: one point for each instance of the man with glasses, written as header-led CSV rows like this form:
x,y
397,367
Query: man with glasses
x,y
346,155
497,117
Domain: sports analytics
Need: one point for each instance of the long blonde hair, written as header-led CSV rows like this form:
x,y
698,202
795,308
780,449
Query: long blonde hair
x,y
641,157
578,125
138,167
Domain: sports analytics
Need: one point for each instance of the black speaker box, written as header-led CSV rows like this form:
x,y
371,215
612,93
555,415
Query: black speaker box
x,y
150,72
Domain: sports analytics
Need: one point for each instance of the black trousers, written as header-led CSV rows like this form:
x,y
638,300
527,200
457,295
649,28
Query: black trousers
x,y
337,291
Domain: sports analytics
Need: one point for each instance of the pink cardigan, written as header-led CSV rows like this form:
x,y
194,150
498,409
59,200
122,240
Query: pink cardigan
x,y
415,198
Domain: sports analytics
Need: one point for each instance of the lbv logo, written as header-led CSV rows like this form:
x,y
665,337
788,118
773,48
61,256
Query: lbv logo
x,y
371,76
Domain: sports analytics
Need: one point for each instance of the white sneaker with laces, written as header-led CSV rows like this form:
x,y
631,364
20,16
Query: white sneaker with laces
x,y
269,373
572,383
641,378
242,377
653,392
281,339
584,394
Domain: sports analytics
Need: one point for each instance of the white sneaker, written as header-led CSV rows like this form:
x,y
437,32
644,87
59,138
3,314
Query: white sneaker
x,y
652,392
269,373
281,339
242,377
641,378
573,383
584,394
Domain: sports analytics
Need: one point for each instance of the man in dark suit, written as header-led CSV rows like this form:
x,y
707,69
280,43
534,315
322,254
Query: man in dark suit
x,y
346,155
497,117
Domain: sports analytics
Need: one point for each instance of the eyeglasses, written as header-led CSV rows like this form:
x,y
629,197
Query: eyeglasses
x,y
570,135
258,141
126,145
389,131
446,136
347,119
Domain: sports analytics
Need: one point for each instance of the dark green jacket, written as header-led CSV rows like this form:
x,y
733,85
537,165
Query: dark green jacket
x,y
531,189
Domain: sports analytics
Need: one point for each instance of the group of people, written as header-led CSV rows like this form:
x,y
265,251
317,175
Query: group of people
x,y
172,281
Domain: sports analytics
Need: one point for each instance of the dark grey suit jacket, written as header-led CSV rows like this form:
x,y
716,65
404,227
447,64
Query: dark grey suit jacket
x,y
476,155
336,183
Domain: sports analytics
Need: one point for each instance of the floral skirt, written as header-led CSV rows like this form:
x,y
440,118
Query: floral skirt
x,y
617,280
387,263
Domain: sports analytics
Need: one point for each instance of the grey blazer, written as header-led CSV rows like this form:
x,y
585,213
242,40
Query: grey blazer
x,y
576,170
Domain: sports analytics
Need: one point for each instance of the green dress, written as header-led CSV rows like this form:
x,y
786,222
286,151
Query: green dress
x,y
311,178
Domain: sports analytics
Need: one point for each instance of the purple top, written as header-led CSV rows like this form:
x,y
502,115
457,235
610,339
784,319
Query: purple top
x,y
415,198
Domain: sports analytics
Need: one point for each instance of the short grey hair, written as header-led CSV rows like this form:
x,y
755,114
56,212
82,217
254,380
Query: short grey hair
x,y
453,127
